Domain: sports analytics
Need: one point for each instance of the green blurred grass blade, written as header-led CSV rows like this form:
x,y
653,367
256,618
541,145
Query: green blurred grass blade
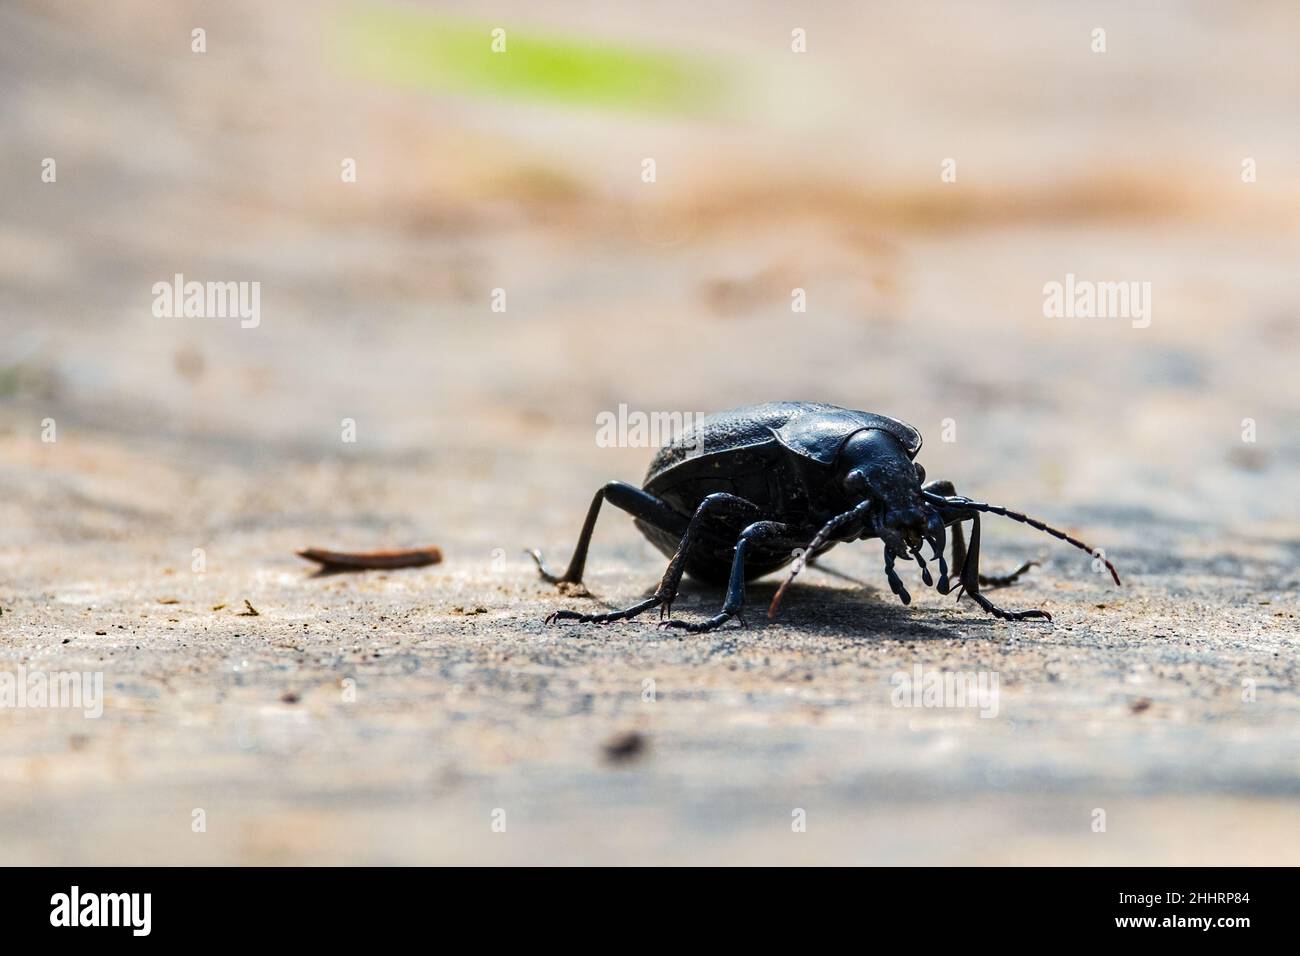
x,y
433,52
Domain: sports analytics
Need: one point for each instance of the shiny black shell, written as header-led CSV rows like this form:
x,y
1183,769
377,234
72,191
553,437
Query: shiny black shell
x,y
781,456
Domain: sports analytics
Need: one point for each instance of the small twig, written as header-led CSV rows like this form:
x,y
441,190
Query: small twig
x,y
251,612
372,560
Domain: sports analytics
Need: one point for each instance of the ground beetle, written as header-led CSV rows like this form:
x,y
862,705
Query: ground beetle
x,y
751,490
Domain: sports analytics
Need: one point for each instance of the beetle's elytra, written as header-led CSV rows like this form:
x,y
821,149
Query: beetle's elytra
x,y
752,490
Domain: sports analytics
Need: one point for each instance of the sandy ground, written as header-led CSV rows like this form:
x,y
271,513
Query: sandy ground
x,y
404,717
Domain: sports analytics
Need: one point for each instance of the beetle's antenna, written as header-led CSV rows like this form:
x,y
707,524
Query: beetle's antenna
x,y
957,501
819,539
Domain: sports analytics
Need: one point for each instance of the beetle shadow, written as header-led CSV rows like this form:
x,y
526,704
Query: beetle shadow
x,y
829,611
862,612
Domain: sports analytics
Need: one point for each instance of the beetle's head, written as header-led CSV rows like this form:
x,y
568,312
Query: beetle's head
x,y
875,467
883,484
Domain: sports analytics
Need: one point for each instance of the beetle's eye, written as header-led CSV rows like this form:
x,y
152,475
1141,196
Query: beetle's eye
x,y
920,472
855,483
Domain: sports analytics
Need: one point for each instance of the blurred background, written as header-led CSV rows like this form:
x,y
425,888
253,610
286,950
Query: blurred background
x,y
793,148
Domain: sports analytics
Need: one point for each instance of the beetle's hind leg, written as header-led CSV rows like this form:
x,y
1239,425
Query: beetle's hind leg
x,y
759,531
941,486
639,504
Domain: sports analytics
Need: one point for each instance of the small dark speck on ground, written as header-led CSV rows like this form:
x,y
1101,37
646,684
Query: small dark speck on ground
x,y
624,746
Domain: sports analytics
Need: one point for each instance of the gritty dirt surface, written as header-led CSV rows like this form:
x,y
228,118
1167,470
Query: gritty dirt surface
x,y
396,717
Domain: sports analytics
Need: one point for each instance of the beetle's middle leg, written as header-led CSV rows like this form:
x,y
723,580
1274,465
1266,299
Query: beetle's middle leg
x,y
759,531
941,486
716,507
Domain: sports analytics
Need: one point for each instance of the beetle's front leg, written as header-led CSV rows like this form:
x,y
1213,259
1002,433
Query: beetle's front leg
x,y
970,580
756,532
941,486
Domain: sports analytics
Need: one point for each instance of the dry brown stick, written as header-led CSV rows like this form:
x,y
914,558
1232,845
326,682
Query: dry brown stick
x,y
366,560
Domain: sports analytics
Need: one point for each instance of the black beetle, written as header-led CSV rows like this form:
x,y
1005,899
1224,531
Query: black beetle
x,y
748,491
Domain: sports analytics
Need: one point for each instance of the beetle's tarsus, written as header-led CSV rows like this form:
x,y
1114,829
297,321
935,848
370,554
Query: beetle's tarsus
x,y
606,618
698,627
1005,615
1005,580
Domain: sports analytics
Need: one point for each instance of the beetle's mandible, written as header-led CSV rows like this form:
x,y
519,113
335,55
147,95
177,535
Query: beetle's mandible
x,y
749,491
